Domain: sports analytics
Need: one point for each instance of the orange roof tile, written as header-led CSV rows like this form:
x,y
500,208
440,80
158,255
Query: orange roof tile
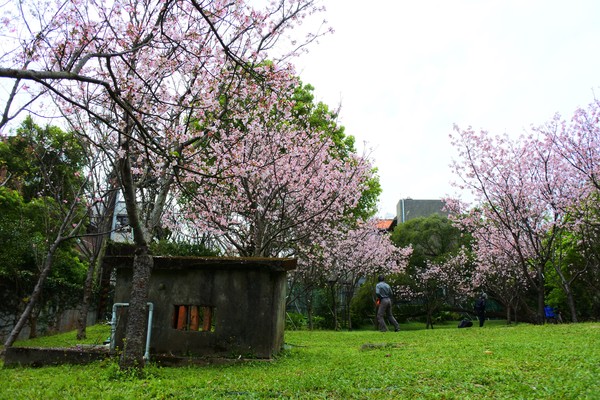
x,y
384,224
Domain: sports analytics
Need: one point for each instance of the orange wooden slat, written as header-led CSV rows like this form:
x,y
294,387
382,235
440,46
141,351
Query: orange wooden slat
x,y
207,321
182,318
194,318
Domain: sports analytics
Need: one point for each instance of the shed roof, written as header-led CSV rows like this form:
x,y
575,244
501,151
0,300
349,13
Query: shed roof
x,y
386,224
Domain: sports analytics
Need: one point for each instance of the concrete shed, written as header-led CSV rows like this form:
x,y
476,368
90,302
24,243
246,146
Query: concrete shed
x,y
210,306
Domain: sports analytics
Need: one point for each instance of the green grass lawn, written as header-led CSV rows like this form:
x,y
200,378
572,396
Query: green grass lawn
x,y
497,361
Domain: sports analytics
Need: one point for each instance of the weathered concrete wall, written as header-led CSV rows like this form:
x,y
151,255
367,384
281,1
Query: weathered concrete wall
x,y
66,321
246,297
38,357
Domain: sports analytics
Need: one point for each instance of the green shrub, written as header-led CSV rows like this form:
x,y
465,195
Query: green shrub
x,y
182,249
295,321
320,322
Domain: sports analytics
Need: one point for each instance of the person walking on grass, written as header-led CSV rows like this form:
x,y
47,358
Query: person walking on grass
x,y
480,308
384,300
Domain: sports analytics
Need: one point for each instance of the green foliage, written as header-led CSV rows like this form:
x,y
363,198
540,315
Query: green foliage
x,y
367,205
295,321
321,322
43,161
44,168
432,238
182,249
362,309
574,258
165,248
23,232
435,242
321,117
495,362
15,231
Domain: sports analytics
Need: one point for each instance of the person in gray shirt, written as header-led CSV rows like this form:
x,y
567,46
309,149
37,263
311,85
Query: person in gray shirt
x,y
384,297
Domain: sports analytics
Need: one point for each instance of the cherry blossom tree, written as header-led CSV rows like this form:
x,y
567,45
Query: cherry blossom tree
x,y
522,192
283,185
439,269
148,73
351,254
497,271
275,182
577,143
444,282
287,173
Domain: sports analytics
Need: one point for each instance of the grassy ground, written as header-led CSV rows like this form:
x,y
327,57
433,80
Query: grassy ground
x,y
497,361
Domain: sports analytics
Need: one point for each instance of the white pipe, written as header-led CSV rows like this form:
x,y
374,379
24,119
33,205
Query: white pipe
x,y
149,334
113,327
113,324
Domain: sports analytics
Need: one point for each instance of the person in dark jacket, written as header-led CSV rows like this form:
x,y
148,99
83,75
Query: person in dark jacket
x,y
480,308
384,297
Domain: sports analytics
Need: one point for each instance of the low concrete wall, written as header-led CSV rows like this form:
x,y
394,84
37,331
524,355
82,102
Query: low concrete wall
x,y
240,303
38,357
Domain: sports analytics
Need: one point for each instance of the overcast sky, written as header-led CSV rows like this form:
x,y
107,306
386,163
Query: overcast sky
x,y
405,72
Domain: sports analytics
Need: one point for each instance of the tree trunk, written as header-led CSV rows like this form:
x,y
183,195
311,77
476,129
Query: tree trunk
x,y
133,349
348,313
513,307
85,304
566,287
309,310
33,325
135,335
541,317
429,320
334,309
571,304
35,296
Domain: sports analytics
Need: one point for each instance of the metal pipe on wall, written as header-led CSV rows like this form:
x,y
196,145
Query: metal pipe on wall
x,y
113,327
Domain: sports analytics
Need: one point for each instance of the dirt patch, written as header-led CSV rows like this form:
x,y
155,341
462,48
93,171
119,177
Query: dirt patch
x,y
381,346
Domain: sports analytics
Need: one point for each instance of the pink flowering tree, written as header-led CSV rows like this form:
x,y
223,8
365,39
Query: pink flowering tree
x,y
282,185
348,256
153,75
522,193
274,183
497,271
441,283
577,142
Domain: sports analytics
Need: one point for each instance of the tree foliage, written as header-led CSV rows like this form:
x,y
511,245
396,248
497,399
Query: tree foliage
x,y
43,167
439,270
42,161
531,193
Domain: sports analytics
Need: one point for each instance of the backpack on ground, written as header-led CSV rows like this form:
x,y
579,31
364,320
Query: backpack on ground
x,y
465,323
